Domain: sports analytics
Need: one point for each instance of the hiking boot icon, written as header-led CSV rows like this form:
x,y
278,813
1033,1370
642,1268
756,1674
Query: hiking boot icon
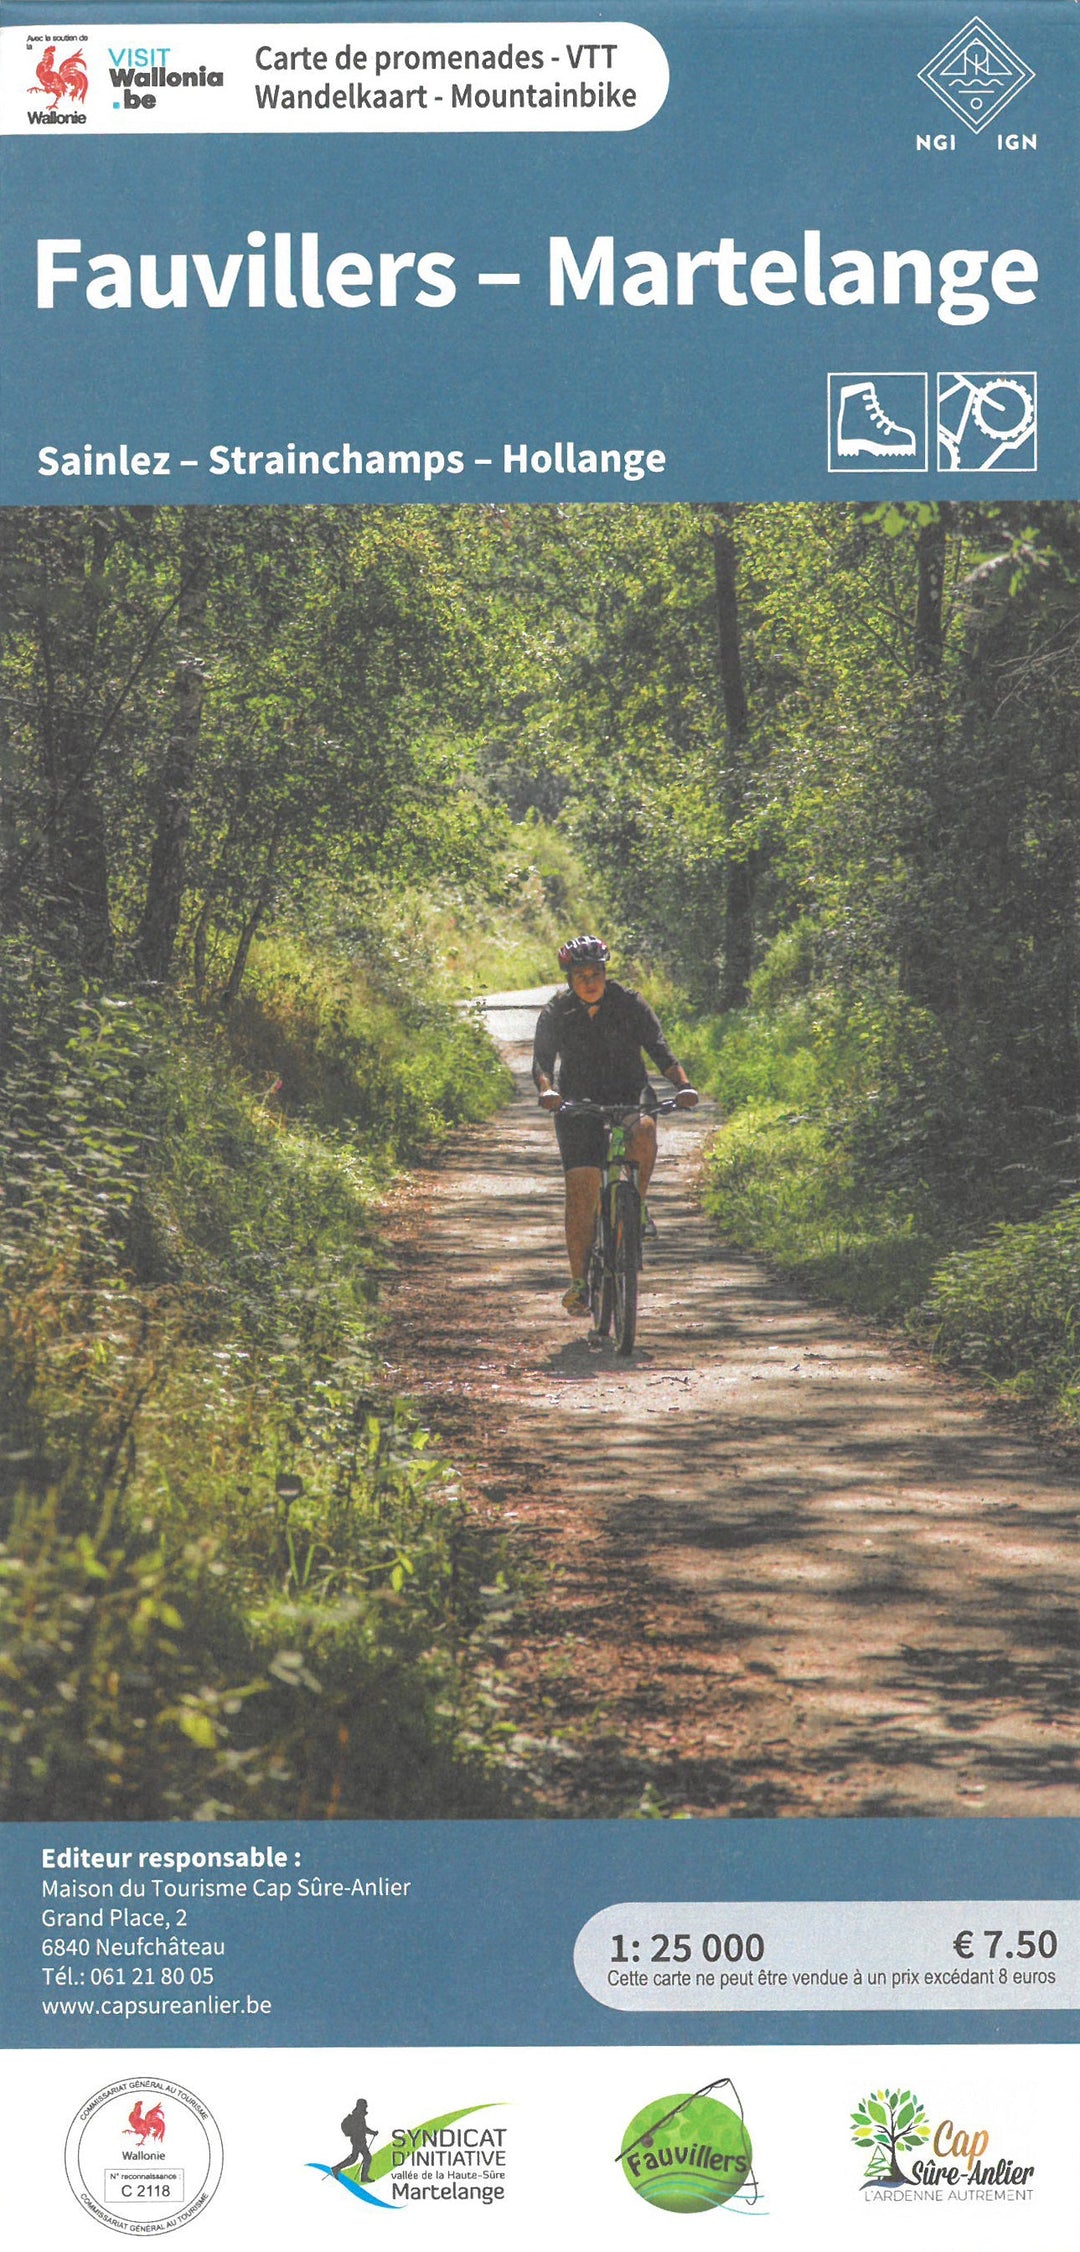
x,y
863,427
877,421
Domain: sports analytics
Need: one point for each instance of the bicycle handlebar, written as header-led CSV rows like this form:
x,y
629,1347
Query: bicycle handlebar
x,y
615,1111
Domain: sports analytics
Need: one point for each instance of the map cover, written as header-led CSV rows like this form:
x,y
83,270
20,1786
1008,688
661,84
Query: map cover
x,y
540,1018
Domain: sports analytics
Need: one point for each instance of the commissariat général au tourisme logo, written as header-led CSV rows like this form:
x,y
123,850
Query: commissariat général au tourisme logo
x,y
143,2156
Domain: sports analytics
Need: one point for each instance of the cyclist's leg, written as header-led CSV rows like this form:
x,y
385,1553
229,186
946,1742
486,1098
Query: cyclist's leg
x,y
581,1147
641,1146
582,1198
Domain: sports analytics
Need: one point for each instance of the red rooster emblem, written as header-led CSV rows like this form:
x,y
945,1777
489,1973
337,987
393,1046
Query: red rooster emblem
x,y
70,79
147,2123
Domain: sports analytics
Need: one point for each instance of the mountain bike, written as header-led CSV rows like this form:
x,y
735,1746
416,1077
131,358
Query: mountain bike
x,y
615,1257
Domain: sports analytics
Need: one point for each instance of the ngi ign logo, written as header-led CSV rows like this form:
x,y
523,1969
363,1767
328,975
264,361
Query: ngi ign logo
x,y
976,75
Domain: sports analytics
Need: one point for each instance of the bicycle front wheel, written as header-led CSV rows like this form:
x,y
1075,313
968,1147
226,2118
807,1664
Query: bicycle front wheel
x,y
627,1250
601,1280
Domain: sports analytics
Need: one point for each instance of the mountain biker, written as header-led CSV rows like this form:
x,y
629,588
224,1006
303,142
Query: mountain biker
x,y
597,1030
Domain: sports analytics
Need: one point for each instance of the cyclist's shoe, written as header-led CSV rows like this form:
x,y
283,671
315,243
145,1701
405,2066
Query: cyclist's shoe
x,y
576,1299
649,1229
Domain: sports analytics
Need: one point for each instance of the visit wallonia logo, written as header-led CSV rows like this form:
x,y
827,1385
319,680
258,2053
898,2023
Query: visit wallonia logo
x,y
956,2162
70,65
442,2161
689,2154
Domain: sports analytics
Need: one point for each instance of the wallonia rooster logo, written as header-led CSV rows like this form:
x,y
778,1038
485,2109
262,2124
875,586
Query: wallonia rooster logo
x,y
147,2123
67,78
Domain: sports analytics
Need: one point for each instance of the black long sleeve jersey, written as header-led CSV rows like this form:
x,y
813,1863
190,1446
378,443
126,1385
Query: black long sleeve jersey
x,y
599,1058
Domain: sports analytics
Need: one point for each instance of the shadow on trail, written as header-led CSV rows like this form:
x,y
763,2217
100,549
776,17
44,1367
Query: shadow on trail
x,y
774,1566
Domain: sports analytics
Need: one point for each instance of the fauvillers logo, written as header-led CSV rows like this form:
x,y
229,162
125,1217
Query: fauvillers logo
x,y
68,76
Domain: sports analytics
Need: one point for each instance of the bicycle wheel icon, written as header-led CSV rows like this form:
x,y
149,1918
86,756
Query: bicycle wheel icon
x,y
987,420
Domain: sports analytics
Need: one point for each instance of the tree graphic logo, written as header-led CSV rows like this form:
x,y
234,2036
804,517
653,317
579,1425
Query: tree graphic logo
x,y
885,2123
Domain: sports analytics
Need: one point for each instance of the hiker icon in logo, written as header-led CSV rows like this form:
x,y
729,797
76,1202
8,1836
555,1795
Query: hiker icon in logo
x,y
451,2156
877,421
355,2125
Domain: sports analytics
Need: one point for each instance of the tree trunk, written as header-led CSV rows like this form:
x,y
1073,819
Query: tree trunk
x,y
165,882
199,944
243,949
1056,930
930,604
739,891
251,925
78,858
74,824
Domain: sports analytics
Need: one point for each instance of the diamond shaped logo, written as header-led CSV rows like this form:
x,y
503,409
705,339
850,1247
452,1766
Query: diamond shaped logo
x,y
976,75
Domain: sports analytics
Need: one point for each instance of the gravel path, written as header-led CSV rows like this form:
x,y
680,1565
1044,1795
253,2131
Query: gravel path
x,y
774,1566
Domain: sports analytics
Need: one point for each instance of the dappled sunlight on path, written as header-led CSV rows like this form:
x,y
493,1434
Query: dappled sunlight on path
x,y
779,1567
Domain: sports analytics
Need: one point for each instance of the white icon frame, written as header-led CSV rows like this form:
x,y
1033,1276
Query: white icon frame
x,y
998,466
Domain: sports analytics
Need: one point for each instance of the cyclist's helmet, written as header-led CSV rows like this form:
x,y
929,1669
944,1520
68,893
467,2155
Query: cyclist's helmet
x,y
577,952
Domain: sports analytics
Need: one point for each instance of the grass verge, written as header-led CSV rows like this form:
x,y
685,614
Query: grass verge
x,y
234,1579
821,1166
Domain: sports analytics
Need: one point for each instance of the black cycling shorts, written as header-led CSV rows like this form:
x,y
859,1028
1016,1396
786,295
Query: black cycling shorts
x,y
582,1138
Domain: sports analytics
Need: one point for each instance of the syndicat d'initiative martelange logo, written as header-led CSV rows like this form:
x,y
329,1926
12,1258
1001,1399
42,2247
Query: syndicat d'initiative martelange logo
x,y
455,2158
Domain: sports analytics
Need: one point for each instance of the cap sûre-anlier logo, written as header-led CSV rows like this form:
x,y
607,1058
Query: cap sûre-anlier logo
x,y
976,75
68,76
955,2165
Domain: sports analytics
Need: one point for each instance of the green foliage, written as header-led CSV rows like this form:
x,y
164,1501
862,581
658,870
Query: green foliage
x,y
853,1155
360,1041
233,1576
905,796
757,1057
885,2123
249,702
117,1676
1009,1311
386,758
501,930
788,1173
778,1184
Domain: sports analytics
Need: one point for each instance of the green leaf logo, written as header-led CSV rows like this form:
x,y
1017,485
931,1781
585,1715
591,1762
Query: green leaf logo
x,y
885,2123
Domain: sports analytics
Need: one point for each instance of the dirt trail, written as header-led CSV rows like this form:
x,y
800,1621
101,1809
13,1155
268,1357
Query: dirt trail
x,y
778,1566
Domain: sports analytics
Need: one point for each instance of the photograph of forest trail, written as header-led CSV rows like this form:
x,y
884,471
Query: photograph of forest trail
x,y
313,1503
